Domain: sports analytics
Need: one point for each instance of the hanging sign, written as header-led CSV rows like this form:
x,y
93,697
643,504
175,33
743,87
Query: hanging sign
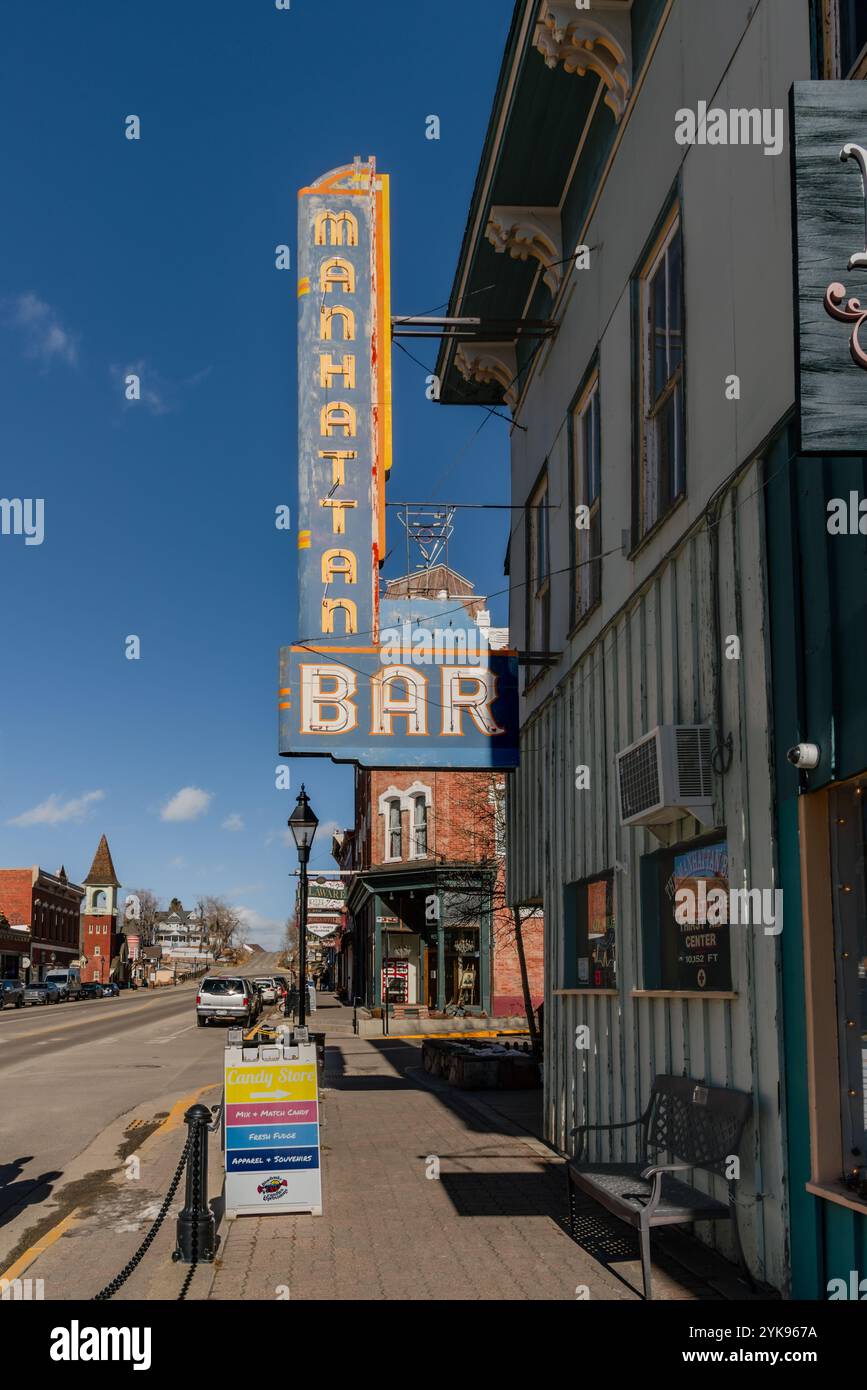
x,y
416,685
272,1130
829,155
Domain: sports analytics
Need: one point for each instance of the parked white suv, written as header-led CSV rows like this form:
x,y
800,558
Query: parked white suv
x,y
267,987
228,997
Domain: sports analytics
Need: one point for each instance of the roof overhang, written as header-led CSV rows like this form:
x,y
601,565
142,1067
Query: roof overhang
x,y
565,72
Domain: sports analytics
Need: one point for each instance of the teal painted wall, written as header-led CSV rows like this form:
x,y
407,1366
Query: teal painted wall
x,y
818,608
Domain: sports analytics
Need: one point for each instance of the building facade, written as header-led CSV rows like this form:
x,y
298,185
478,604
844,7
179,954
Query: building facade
x,y
184,943
428,926
48,906
647,268
15,946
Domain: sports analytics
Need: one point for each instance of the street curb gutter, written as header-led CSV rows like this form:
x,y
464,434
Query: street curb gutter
x,y
100,1151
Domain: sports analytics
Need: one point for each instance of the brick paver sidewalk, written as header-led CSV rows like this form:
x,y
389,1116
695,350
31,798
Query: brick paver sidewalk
x,y
489,1227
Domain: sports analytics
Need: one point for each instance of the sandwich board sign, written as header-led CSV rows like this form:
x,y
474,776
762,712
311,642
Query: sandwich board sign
x,y
272,1130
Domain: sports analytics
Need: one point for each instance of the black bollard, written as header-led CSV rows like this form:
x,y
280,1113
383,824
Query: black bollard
x,y
196,1235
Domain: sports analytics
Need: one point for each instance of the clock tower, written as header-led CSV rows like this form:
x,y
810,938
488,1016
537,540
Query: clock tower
x,y
101,937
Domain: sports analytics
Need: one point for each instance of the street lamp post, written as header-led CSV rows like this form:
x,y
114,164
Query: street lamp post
x,y
302,822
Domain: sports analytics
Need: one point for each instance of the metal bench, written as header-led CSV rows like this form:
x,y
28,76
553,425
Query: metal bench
x,y
699,1127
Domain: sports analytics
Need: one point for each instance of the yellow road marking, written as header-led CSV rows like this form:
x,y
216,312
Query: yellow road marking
x,y
44,1243
176,1114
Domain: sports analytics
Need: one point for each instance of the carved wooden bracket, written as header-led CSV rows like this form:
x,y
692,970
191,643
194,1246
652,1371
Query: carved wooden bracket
x,y
525,232
602,44
490,362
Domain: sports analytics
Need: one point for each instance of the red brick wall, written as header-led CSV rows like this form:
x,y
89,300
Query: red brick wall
x,y
507,991
460,819
16,895
98,967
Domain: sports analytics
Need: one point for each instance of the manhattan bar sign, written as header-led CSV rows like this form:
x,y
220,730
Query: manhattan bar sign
x,y
829,181
345,692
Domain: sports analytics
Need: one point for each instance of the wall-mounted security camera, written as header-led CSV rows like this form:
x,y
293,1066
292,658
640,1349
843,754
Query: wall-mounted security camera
x,y
804,755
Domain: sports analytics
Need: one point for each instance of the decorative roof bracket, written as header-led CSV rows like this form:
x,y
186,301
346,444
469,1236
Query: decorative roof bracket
x,y
490,362
602,45
525,232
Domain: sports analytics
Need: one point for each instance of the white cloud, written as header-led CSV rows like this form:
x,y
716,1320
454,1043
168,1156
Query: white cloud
x,y
321,844
233,822
53,811
266,931
187,804
281,837
45,338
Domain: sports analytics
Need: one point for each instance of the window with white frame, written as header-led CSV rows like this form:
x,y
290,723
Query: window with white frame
x,y
419,826
538,569
662,462
393,846
586,488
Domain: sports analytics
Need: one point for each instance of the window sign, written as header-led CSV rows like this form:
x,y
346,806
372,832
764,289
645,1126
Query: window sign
x,y
694,912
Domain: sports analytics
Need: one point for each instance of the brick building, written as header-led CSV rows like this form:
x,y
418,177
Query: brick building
x,y
103,945
428,925
48,906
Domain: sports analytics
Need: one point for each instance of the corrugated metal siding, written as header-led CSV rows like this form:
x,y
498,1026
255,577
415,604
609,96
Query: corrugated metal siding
x,y
655,664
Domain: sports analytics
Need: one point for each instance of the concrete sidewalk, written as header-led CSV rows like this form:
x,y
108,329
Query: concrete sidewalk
x,y
429,1193
490,1226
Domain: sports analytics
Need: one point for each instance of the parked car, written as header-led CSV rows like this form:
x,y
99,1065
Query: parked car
x,y
267,987
257,995
92,990
11,992
112,989
69,981
41,992
228,997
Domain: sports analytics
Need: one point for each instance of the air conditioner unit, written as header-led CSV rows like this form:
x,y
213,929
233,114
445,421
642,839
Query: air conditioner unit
x,y
665,775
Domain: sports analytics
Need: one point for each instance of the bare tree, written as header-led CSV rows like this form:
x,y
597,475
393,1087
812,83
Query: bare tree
x,y
149,904
221,924
289,945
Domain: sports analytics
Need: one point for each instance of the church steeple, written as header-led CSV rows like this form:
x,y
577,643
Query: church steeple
x,y
102,874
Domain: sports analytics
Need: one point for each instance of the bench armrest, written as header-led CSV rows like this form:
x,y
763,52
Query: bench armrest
x,y
657,1171
584,1130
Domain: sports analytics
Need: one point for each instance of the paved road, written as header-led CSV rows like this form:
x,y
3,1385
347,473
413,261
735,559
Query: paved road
x,y
69,1071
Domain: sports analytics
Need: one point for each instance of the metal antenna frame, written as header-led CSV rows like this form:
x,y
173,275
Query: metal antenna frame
x,y
429,529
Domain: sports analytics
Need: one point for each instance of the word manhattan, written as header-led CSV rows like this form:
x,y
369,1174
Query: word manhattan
x,y
77,1343
740,126
739,906
23,517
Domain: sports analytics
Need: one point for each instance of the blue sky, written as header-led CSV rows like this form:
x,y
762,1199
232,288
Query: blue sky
x,y
157,257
